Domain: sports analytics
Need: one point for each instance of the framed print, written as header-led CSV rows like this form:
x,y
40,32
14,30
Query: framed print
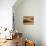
x,y
28,20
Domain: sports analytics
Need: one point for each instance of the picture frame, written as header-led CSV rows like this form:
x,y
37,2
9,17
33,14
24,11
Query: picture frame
x,y
28,20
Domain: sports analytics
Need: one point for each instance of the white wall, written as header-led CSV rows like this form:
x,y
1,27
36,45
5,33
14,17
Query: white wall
x,y
29,8
6,18
6,13
43,22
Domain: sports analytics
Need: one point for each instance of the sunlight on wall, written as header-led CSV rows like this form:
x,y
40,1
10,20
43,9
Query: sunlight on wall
x,y
6,13
5,19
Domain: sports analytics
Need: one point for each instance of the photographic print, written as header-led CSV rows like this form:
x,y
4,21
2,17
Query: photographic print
x,y
28,20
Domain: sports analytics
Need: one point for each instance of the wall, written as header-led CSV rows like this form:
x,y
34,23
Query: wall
x,y
29,8
6,13
43,22
6,18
